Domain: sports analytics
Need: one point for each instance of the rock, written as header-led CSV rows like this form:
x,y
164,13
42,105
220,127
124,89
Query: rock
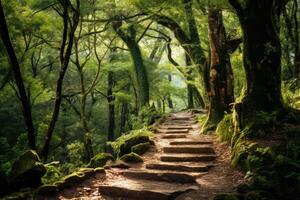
x,y
27,171
140,149
87,171
117,164
47,190
225,196
125,148
71,180
99,170
131,158
100,160
3,184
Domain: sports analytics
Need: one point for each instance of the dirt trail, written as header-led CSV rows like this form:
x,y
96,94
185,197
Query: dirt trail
x,y
182,165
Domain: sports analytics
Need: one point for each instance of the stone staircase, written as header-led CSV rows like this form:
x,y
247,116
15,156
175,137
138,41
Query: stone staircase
x,y
180,159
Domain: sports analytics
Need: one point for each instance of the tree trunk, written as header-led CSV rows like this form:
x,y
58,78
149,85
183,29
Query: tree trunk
x,y
65,54
220,81
169,99
124,113
26,107
111,106
140,68
262,59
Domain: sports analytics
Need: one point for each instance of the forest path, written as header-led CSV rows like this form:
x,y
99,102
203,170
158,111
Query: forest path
x,y
181,165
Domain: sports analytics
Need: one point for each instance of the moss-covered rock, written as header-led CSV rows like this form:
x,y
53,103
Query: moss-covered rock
x,y
225,196
131,158
225,128
140,149
100,160
26,171
71,180
126,146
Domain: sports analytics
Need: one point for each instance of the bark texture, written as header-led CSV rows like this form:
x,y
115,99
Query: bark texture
x,y
262,58
220,77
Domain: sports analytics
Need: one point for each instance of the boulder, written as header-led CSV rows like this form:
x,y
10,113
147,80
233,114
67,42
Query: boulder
x,y
125,148
100,160
27,171
131,158
140,149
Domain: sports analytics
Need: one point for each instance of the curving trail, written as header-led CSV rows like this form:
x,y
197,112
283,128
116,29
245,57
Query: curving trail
x,y
182,165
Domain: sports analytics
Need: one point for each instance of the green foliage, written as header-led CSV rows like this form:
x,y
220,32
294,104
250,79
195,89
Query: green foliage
x,y
53,173
225,128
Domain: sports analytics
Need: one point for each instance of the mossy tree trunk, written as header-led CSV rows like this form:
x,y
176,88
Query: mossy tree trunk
x,y
220,78
262,58
140,69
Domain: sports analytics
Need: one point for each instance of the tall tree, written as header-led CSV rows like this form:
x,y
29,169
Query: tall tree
x,y
140,69
15,66
70,15
259,20
220,84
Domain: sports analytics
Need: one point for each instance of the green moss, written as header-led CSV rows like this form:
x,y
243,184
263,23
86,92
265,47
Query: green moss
x,y
26,171
131,158
100,160
71,180
240,153
225,128
140,149
123,144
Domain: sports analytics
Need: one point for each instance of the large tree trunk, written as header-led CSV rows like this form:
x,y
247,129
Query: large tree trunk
x,y
220,81
262,59
65,54
140,68
26,107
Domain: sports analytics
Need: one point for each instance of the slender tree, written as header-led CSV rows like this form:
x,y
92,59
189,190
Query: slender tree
x,y
70,23
15,66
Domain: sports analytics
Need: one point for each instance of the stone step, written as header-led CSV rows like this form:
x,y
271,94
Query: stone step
x,y
167,131
177,127
187,142
187,158
188,149
174,136
177,167
146,190
171,177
